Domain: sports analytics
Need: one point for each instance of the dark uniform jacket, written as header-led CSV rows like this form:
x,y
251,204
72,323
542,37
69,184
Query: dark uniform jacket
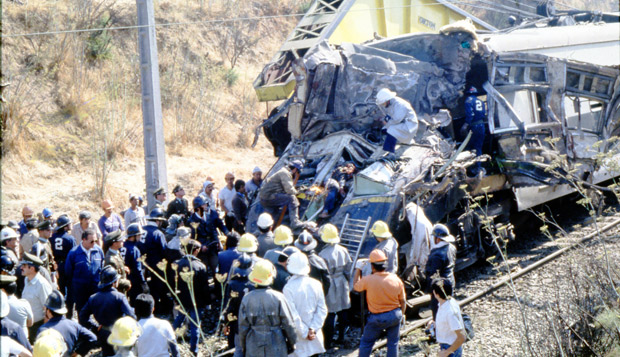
x,y
199,280
106,306
153,246
77,338
15,331
136,270
281,277
319,271
441,261
114,259
178,206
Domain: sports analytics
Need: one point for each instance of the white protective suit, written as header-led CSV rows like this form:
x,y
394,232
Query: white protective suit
x,y
403,122
305,298
339,264
421,229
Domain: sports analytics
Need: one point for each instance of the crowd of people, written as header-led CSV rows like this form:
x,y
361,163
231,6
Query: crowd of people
x,y
126,282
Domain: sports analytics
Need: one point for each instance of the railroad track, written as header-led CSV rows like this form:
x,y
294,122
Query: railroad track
x,y
572,241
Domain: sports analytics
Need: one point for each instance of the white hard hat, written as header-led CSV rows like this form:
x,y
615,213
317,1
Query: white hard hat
x,y
384,95
7,233
256,169
298,264
264,220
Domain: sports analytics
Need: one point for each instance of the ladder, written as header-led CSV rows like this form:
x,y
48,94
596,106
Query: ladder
x,y
352,236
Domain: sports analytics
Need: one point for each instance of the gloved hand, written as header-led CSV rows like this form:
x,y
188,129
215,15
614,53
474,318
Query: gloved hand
x,y
361,263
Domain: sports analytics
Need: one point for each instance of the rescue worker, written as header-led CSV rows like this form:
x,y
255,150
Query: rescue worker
x,y
27,213
283,237
179,205
227,257
441,261
279,191
264,235
154,246
157,339
62,243
160,197
318,267
29,238
238,285
387,244
194,292
266,325
307,302
124,335
252,185
282,273
9,240
82,269
43,249
36,290
133,262
135,213
114,243
337,298
249,244
385,294
106,306
400,121
77,338
475,118
49,344
10,328
85,223
109,221
240,207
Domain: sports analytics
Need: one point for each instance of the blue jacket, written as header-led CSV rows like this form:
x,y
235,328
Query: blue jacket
x,y
74,334
206,233
200,282
475,110
15,331
22,228
136,270
106,306
62,243
81,270
226,258
154,245
441,261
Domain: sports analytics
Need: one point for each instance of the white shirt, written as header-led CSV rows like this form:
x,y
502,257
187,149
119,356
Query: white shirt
x,y
227,194
10,347
449,319
77,231
20,312
156,334
132,216
36,292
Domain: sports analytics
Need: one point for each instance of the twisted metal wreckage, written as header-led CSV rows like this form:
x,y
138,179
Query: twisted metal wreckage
x,y
331,119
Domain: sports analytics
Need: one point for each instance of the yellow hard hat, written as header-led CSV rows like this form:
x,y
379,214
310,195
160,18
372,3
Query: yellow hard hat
x,y
248,243
125,332
262,273
49,343
381,230
329,234
283,235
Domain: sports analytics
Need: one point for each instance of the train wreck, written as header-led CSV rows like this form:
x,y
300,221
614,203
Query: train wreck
x,y
549,119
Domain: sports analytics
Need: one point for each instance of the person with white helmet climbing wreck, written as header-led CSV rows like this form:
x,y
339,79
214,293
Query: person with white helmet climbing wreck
x,y
400,121
338,299
266,325
307,302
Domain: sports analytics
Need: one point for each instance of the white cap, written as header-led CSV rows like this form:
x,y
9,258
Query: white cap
x,y
264,220
256,169
384,95
298,264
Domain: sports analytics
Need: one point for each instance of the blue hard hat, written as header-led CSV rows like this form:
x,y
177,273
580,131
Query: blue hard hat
x,y
108,276
133,230
198,201
244,267
472,90
157,214
62,221
47,213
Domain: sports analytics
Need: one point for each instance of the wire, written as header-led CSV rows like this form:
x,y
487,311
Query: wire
x,y
221,21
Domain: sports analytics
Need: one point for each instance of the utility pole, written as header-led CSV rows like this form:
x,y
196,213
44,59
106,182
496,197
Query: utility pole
x,y
153,126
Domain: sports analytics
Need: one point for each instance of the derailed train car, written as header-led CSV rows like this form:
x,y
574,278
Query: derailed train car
x,y
548,104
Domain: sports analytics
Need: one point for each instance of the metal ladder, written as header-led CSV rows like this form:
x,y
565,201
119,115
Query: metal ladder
x,y
352,236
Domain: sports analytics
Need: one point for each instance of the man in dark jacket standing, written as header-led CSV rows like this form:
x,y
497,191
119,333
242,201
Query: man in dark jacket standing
x,y
441,260
194,295
82,269
318,267
179,205
154,246
62,243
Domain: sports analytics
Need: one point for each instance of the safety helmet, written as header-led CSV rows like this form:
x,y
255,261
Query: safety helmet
x,y
242,266
198,201
298,264
288,251
472,90
262,273
47,213
380,229
442,232
108,276
56,302
283,235
4,305
173,221
125,332
377,256
157,214
297,164
134,229
248,243
49,343
383,95
7,264
12,224
264,220
62,221
7,233
305,242
38,250
106,205
329,234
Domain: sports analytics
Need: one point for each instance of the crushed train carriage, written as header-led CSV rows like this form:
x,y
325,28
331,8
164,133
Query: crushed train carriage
x,y
544,111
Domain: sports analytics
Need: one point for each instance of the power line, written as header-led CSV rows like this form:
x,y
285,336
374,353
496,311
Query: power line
x,y
222,21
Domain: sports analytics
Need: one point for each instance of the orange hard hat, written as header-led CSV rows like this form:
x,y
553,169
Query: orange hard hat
x,y
377,256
